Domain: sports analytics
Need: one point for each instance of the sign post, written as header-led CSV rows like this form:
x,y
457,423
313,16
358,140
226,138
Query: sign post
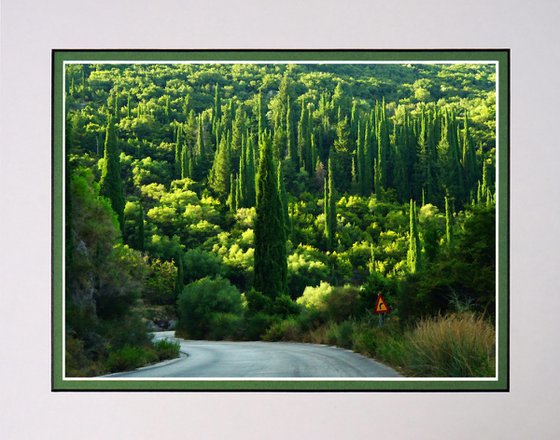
x,y
381,308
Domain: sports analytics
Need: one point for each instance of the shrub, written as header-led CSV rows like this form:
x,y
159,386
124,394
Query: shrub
x,y
225,326
344,334
166,349
283,306
286,330
129,358
257,302
309,319
456,345
315,297
343,303
200,301
256,325
198,264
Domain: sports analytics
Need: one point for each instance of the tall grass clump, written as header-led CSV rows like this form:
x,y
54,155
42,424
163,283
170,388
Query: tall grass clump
x,y
455,345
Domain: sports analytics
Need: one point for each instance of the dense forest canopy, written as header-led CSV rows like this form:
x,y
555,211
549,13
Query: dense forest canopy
x,y
250,190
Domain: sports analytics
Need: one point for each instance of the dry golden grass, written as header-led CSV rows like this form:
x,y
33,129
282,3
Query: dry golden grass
x,y
456,345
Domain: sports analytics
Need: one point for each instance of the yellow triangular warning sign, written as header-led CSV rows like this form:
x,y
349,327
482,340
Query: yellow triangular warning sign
x,y
381,306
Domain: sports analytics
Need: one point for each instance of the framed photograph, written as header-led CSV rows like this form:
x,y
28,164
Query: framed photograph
x,y
268,220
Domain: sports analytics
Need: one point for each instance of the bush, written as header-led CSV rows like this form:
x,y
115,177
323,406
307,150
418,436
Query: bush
x,y
199,264
200,301
256,325
128,358
343,303
166,349
456,345
315,297
283,306
335,303
226,326
344,334
257,302
286,330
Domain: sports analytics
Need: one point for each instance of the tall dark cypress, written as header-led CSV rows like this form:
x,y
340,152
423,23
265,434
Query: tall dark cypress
x,y
261,119
250,195
290,135
329,207
414,250
219,177
216,113
140,243
270,270
448,223
301,136
283,197
185,162
111,185
178,152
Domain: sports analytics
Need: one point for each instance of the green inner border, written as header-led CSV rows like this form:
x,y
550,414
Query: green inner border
x,y
499,55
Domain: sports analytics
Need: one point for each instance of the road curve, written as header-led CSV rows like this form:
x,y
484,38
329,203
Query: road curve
x,y
224,359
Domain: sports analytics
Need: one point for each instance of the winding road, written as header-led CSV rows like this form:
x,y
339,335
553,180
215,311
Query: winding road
x,y
224,359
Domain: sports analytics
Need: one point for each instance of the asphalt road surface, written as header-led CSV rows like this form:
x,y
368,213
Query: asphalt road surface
x,y
223,359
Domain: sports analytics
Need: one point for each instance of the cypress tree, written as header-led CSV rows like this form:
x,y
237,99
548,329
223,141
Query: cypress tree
x,y
377,179
241,191
260,117
343,155
216,112
270,267
329,207
111,185
368,160
448,223
468,156
140,243
185,162
302,136
232,197
178,152
290,135
413,241
219,177
283,196
250,195
449,160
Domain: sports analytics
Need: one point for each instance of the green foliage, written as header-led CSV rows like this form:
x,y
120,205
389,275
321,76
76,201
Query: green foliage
x,y
305,268
201,302
200,264
316,297
160,283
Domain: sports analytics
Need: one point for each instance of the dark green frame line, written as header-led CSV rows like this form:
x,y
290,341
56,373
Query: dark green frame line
x,y
501,56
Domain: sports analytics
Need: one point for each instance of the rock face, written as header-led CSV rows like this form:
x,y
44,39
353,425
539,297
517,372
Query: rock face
x,y
160,319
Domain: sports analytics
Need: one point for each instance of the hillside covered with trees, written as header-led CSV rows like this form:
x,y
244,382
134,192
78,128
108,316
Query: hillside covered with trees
x,y
274,202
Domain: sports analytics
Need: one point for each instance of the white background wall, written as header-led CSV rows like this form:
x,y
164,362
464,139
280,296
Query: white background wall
x,y
30,29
